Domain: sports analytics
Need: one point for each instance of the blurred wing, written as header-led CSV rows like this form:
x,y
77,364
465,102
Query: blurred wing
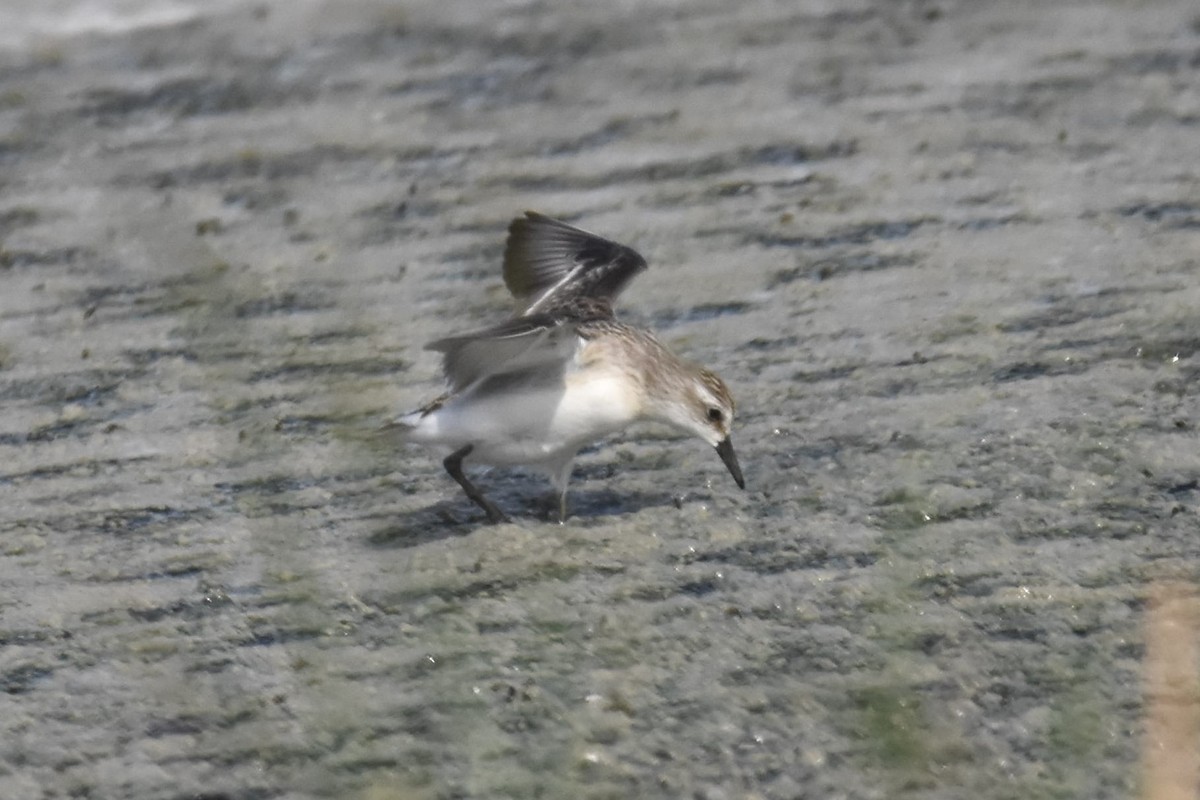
x,y
518,344
547,263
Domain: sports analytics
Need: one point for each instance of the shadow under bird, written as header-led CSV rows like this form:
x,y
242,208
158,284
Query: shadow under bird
x,y
563,371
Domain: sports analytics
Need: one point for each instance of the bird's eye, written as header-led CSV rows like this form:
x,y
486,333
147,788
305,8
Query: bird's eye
x,y
715,415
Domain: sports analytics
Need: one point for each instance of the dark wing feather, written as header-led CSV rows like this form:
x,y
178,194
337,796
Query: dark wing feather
x,y
548,263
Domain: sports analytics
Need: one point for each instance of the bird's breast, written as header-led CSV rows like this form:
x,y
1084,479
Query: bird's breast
x,y
595,402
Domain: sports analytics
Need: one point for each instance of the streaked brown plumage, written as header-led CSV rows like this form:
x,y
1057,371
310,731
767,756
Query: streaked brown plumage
x,y
563,371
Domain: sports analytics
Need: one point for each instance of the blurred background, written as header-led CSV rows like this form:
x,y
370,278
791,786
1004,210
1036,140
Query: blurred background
x,y
945,253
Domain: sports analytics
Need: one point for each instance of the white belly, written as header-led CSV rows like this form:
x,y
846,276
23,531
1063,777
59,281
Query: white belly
x,y
532,424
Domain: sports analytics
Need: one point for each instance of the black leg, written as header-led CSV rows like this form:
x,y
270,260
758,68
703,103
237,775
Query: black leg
x,y
453,464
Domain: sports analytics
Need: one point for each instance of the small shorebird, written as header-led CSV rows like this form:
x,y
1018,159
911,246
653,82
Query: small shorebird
x,y
563,371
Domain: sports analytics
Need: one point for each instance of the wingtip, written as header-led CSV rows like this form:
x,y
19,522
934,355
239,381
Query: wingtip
x,y
538,218
521,233
530,216
518,222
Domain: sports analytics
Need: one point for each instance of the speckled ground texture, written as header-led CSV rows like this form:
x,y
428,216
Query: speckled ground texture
x,y
947,254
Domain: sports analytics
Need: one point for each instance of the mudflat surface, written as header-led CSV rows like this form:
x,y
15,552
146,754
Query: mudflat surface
x,y
947,255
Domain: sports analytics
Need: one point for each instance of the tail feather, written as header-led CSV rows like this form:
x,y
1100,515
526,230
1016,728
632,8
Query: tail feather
x,y
404,424
414,425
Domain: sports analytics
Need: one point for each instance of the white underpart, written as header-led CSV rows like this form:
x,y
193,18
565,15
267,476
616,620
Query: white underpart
x,y
541,423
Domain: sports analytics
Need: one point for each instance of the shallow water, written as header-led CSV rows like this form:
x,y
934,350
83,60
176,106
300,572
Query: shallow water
x,y
945,255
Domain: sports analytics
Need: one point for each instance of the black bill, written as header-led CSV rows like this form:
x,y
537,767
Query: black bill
x,y
725,451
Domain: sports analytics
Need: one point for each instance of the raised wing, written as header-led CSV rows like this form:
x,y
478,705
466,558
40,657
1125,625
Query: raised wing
x,y
548,263
519,344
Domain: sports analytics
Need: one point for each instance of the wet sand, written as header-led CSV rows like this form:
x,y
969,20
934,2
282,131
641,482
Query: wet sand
x,y
946,255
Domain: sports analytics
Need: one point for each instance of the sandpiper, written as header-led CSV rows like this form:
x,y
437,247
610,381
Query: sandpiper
x,y
562,372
